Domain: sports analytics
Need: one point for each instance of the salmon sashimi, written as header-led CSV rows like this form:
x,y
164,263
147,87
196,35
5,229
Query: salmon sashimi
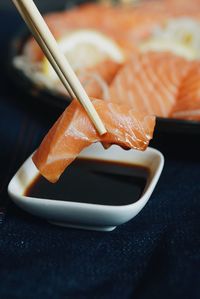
x,y
125,25
188,101
149,82
73,131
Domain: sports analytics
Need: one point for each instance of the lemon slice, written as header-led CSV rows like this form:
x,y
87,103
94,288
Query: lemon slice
x,y
83,49
171,46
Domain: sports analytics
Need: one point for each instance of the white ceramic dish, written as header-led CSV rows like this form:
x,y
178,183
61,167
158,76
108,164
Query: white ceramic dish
x,y
84,215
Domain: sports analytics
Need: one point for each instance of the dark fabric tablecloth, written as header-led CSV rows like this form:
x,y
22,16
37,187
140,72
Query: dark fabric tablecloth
x,y
155,255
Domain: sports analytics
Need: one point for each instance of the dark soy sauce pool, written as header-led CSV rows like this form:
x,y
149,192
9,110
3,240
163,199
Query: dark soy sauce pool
x,y
94,181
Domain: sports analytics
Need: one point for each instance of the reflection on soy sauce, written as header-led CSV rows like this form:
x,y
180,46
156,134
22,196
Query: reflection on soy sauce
x,y
94,181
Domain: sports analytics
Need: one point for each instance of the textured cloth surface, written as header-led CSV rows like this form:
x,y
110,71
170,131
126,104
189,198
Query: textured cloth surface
x,y
155,255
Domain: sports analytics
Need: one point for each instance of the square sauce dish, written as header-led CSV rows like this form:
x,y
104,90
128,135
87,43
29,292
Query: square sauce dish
x,y
99,191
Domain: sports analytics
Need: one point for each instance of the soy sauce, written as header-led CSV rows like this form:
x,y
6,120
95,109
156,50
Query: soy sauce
x,y
94,181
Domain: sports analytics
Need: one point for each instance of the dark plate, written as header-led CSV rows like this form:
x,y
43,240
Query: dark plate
x,y
164,125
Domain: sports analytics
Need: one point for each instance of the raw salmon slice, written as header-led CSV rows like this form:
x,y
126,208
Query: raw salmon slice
x,y
73,131
149,82
188,101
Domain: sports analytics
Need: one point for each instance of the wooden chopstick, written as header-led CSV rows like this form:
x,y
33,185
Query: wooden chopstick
x,y
50,47
43,46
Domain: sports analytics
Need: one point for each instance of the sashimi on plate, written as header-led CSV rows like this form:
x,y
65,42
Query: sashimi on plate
x,y
139,55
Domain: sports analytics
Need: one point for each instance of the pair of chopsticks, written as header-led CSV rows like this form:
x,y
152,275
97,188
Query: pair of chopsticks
x,y
48,44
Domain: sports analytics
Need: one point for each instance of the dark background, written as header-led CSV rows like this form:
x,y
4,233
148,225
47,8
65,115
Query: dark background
x,y
41,4
155,255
